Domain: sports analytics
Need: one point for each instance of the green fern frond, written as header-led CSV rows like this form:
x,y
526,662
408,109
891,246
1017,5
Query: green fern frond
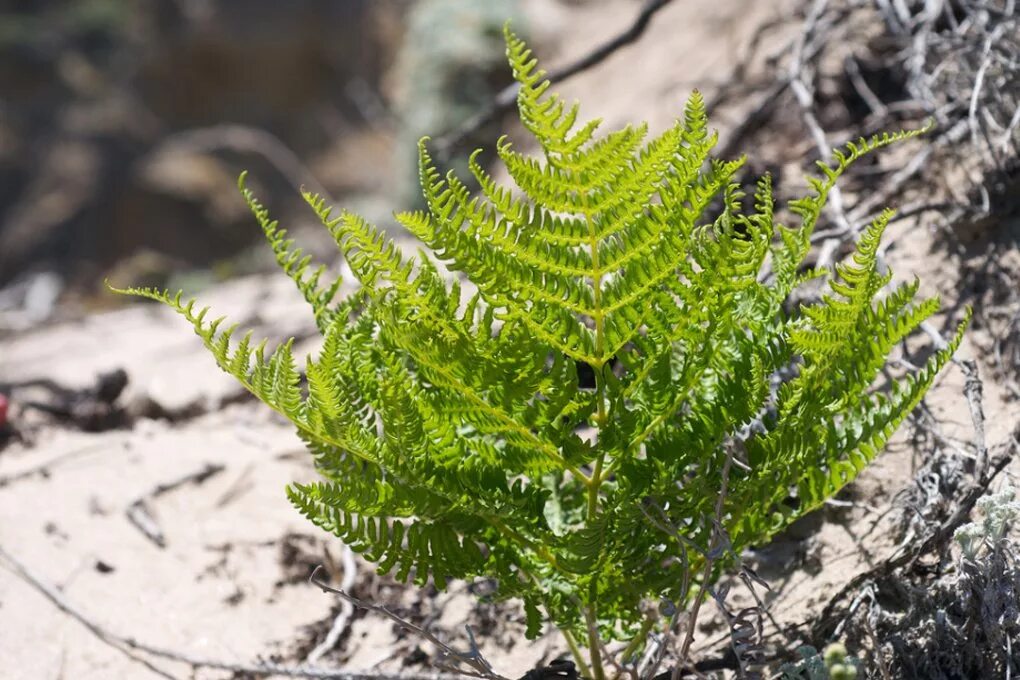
x,y
293,261
449,420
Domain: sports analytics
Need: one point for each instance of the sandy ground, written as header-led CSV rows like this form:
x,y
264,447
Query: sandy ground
x,y
229,582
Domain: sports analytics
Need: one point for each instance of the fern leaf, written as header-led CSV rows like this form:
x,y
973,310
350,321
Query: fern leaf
x,y
293,262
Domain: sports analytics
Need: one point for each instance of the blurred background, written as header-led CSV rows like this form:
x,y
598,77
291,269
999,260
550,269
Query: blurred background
x,y
125,123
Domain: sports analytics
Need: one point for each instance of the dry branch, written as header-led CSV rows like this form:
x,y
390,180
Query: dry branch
x,y
43,469
342,620
470,662
247,139
504,101
130,646
140,514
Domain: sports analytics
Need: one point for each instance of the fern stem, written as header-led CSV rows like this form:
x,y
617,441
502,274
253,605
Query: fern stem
x,y
591,611
637,640
594,644
718,536
575,651
593,489
599,364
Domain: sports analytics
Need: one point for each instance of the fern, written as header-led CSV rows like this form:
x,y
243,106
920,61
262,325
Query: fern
x,y
449,424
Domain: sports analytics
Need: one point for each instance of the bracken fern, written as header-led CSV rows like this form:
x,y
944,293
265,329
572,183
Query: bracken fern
x,y
449,425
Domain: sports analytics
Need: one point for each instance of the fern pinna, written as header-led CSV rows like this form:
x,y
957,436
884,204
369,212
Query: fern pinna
x,y
449,425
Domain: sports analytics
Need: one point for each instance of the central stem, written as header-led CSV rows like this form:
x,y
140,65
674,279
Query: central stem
x,y
591,614
600,361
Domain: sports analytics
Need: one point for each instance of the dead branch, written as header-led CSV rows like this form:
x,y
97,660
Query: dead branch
x,y
505,100
770,97
241,485
340,623
853,72
746,626
130,646
247,139
805,100
139,512
43,469
91,408
864,211
470,662
937,540
719,545
973,389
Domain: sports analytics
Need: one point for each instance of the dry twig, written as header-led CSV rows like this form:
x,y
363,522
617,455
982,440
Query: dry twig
x,y
342,620
799,85
130,646
719,546
507,97
247,139
139,512
470,662
43,469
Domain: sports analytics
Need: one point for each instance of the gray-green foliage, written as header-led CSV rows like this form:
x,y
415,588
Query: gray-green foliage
x,y
999,512
832,664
